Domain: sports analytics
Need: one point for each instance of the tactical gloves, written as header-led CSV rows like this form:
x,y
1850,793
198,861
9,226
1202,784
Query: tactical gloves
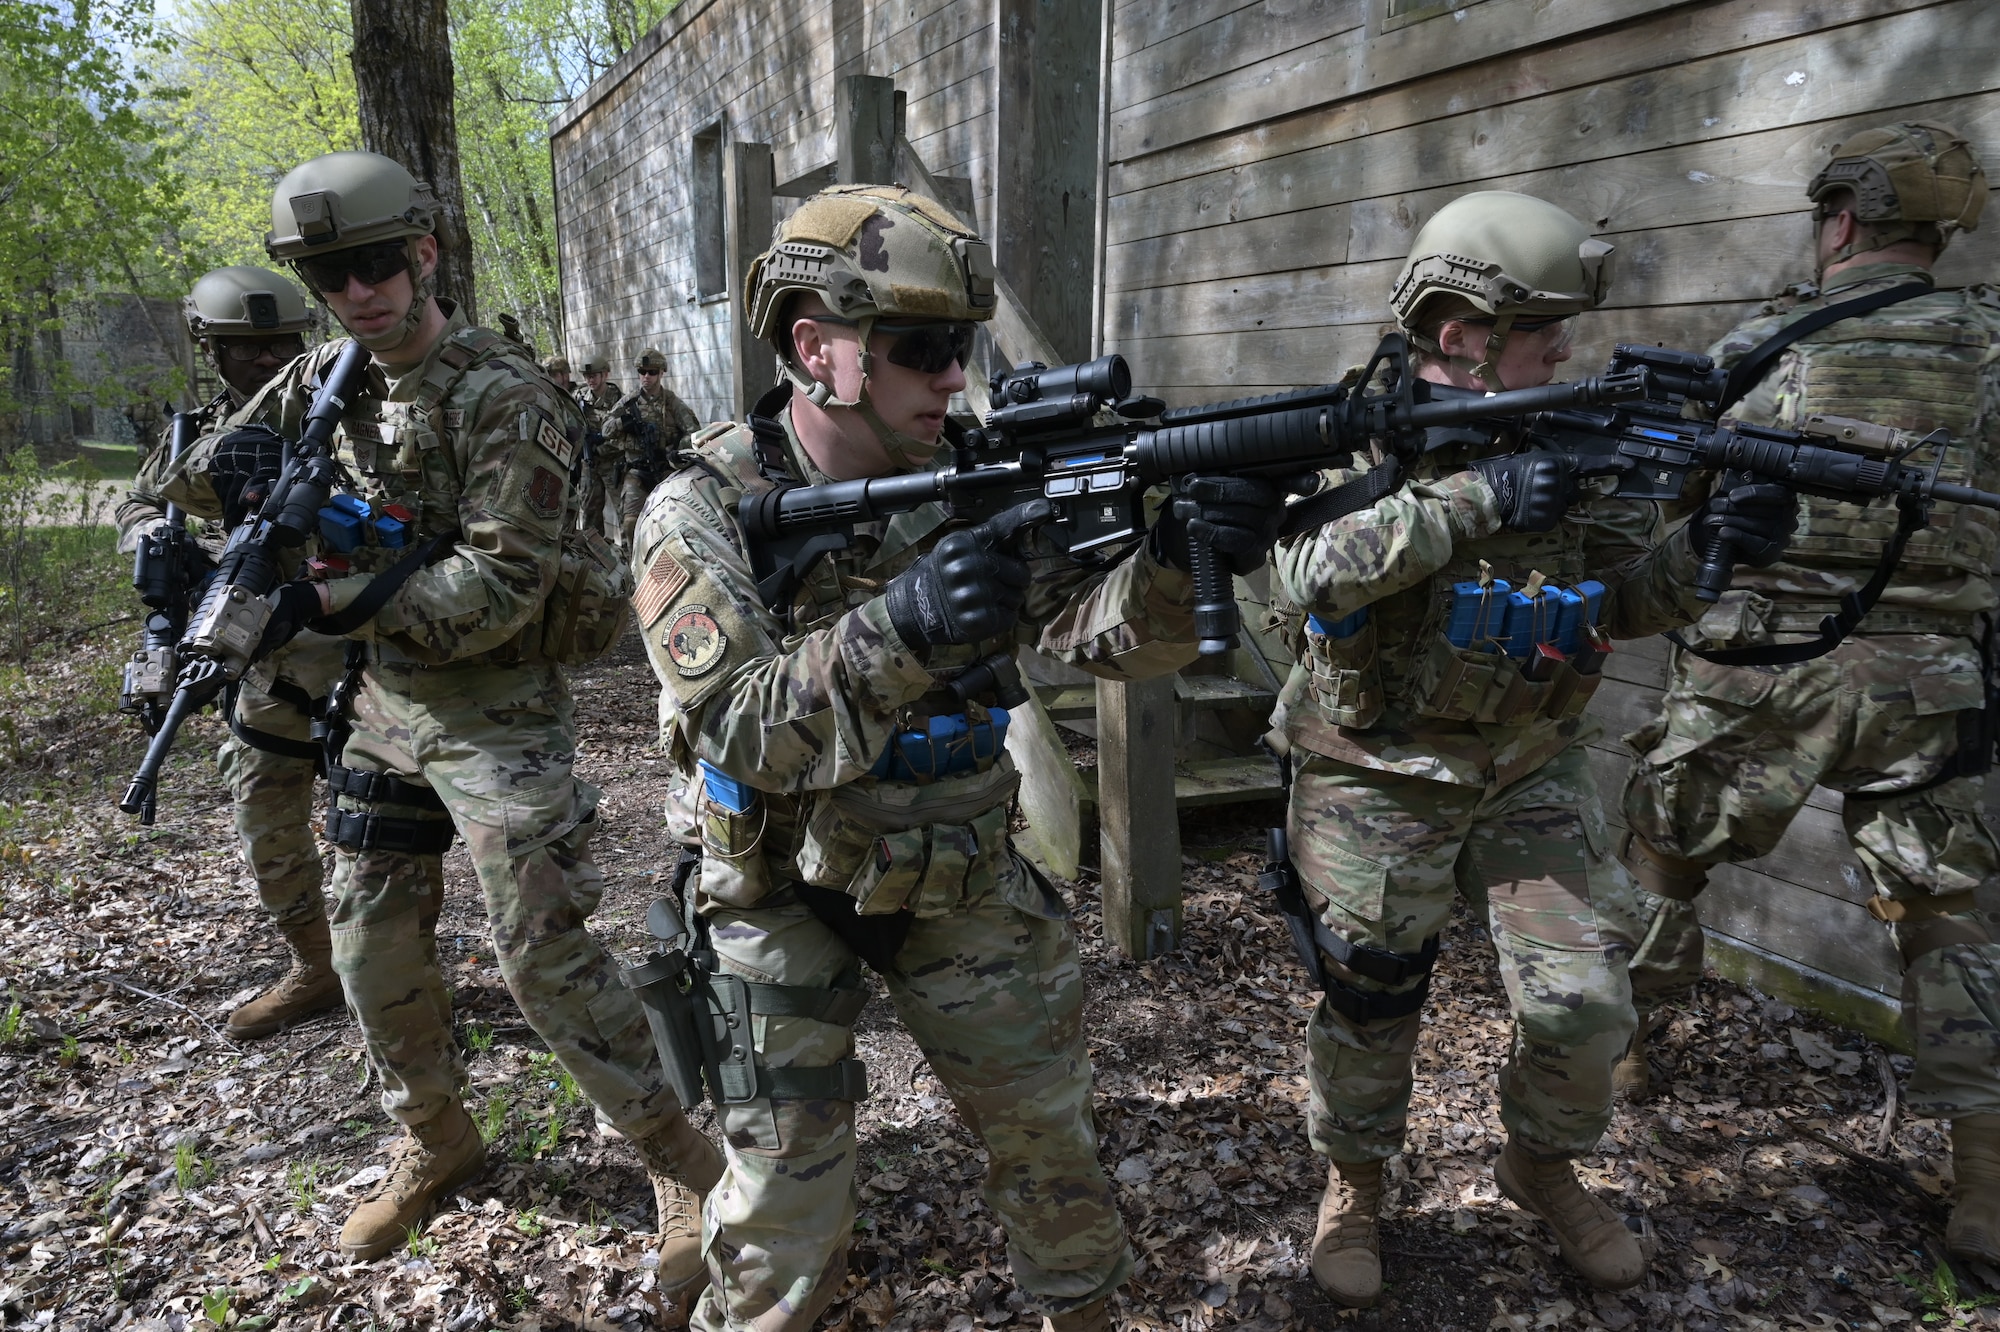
x,y
1237,516
1534,489
967,588
292,607
241,467
1756,520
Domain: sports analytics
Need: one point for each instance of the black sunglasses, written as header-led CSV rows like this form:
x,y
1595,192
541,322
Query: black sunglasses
x,y
927,348
247,350
373,264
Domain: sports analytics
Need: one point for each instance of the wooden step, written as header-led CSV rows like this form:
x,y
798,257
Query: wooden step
x,y
1079,702
1218,781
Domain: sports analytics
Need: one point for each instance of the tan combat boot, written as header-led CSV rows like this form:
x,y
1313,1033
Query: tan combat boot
x,y
683,1166
1974,1229
1592,1237
309,987
1092,1317
1631,1076
1346,1251
432,1160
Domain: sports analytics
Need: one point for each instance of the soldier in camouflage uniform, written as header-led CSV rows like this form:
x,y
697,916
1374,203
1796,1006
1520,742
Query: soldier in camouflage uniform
x,y
558,372
605,470
250,322
647,427
1889,716
1425,766
459,720
833,830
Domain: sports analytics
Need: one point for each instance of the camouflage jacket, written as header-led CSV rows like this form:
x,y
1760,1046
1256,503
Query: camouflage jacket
x,y
1932,362
1396,695
801,706
489,464
144,504
673,419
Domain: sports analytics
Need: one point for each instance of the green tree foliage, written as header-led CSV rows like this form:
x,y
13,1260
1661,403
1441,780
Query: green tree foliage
x,y
269,85
87,192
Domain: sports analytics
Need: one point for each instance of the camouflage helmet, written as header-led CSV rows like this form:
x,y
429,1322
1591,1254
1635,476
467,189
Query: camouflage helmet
x,y
652,361
1508,255
596,364
873,251
556,365
245,302
1913,180
340,200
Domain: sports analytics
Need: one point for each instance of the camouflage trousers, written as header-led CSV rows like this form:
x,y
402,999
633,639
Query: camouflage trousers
x,y
496,743
1382,854
600,492
272,791
632,492
992,992
1732,760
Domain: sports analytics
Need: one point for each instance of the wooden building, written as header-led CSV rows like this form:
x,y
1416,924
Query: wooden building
x,y
1251,173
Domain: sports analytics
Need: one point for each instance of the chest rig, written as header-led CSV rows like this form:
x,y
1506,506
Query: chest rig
x,y
1504,634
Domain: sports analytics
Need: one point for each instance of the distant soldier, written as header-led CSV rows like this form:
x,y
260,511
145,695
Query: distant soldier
x,y
145,418
558,368
250,323
648,426
1897,718
600,484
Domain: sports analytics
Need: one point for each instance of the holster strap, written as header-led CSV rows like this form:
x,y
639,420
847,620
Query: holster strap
x,y
846,1080
839,1006
1377,964
381,788
1359,1005
1896,910
1928,936
353,831
280,745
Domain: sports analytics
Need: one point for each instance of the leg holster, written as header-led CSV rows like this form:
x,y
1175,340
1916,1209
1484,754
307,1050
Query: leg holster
x,y
1675,878
1317,945
352,830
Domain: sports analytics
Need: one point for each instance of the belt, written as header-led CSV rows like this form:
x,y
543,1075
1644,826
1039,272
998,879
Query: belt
x,y
1794,617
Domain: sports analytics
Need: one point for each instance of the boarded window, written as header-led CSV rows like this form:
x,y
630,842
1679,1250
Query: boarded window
x,y
711,274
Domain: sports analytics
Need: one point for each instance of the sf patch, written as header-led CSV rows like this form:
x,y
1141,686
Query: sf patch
x,y
545,493
694,642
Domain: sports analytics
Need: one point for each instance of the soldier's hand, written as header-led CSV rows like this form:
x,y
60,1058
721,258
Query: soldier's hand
x,y
1238,516
1534,489
1756,520
966,589
292,607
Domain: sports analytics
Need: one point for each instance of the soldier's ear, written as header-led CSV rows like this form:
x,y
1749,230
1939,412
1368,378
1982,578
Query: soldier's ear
x,y
427,255
812,350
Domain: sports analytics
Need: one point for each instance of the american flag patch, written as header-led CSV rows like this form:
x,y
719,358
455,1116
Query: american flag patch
x,y
663,582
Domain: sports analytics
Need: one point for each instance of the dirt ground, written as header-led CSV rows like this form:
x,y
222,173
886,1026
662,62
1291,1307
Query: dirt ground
x,y
155,1173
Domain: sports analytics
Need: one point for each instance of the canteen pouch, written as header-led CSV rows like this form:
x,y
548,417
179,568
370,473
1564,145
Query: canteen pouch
x,y
1346,669
587,609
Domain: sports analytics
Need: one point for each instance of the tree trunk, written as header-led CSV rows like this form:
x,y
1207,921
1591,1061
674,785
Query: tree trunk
x,y
402,74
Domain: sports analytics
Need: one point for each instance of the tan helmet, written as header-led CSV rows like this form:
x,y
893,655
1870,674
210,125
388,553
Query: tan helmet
x,y
871,252
1509,255
652,361
596,364
339,201
556,365
1913,180
245,302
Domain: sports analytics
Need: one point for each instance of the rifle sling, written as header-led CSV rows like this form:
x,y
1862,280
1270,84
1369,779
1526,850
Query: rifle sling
x,y
308,750
1747,373
1363,492
383,586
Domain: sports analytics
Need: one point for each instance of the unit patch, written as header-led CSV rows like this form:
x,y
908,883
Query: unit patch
x,y
557,443
664,579
454,418
545,493
694,641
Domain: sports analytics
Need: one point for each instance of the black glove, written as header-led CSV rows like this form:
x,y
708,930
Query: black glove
x,y
967,588
1756,520
293,606
1534,489
1237,516
241,467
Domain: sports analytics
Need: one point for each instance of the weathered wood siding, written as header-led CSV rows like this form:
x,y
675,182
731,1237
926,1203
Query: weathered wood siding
x,y
765,71
1271,160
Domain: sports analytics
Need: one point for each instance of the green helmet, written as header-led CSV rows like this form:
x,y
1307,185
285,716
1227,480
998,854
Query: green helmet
x,y
1913,180
652,361
556,365
339,201
871,252
596,365
245,302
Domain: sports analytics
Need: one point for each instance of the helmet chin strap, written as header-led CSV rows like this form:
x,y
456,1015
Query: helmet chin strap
x,y
1487,369
906,450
